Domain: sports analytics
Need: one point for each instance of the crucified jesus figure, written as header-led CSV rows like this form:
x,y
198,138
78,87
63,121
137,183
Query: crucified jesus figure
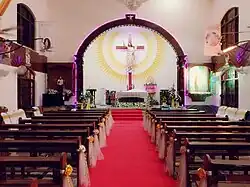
x,y
130,59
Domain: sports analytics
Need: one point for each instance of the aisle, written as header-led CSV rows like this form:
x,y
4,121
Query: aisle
x,y
130,160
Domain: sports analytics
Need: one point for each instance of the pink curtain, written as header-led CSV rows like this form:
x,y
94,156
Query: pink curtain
x,y
83,168
92,155
102,135
183,169
97,149
162,145
144,121
149,126
169,164
158,138
153,131
67,181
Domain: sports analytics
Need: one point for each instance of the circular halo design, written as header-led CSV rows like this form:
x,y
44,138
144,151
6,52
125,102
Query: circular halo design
x,y
152,65
116,58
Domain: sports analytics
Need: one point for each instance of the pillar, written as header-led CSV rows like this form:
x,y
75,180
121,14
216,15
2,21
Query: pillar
x,y
180,77
79,75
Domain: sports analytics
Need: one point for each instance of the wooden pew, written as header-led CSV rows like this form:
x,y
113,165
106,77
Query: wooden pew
x,y
166,119
193,149
225,128
45,134
158,135
150,117
57,163
159,115
175,110
70,126
177,139
49,130
44,146
103,125
216,170
74,113
169,130
58,121
26,183
70,117
79,111
59,130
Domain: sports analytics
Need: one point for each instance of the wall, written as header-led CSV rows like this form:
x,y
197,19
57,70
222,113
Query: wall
x,y
9,19
8,95
181,18
40,87
219,8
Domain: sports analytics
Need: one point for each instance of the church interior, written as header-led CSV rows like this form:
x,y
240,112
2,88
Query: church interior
x,y
118,93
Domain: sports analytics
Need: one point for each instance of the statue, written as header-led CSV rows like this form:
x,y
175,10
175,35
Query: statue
x,y
130,59
60,85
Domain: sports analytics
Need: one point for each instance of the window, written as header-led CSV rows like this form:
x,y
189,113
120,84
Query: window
x,y
230,28
26,26
229,79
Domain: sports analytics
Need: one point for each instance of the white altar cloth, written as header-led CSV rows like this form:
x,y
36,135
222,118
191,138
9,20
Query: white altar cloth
x,y
132,93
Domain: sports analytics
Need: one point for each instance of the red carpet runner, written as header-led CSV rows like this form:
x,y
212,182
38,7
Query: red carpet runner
x,y
130,158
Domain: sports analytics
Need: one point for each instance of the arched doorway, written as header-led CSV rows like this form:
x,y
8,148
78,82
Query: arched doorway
x,y
130,19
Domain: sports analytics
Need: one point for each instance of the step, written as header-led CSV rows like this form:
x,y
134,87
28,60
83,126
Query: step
x,y
128,118
132,115
126,111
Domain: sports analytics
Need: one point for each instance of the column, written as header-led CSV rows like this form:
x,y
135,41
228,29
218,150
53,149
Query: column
x,y
180,77
79,75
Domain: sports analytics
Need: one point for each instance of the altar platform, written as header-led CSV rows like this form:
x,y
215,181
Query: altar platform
x,y
134,95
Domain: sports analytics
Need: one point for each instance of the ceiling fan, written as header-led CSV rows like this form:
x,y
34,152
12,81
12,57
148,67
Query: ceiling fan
x,y
7,30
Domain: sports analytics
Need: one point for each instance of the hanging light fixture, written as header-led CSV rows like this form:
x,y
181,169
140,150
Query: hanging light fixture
x,y
133,4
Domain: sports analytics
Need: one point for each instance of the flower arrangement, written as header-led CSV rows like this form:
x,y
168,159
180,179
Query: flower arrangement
x,y
130,104
150,86
170,97
52,91
68,170
67,94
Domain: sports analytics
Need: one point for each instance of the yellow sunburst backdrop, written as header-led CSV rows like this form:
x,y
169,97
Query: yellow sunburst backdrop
x,y
105,65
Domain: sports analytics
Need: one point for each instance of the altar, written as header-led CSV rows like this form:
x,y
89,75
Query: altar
x,y
134,95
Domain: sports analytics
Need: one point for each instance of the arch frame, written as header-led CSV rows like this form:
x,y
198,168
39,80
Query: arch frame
x,y
131,20
28,9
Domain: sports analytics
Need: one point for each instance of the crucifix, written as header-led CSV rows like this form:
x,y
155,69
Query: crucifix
x,y
130,59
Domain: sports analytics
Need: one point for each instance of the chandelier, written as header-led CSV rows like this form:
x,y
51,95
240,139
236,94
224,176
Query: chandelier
x,y
133,4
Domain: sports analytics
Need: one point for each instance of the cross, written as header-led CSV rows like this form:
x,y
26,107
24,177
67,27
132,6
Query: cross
x,y
129,63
